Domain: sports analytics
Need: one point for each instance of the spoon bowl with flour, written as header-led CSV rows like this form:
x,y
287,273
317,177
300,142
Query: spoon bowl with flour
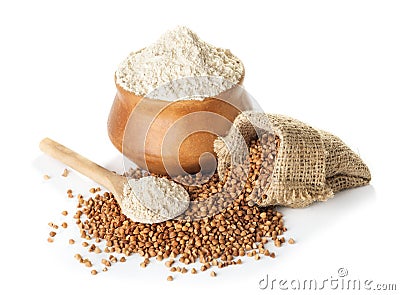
x,y
149,199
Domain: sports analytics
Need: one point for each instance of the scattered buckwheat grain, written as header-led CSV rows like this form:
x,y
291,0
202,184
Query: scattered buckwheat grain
x,y
65,172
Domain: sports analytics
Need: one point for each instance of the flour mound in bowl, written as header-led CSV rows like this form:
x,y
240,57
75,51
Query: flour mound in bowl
x,y
179,66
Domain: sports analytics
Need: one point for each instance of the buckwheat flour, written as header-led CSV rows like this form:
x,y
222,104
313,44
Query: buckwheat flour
x,y
179,66
152,199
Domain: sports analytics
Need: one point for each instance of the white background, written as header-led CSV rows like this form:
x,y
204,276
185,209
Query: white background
x,y
333,64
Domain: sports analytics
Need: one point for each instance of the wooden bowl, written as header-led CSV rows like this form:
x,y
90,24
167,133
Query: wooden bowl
x,y
173,138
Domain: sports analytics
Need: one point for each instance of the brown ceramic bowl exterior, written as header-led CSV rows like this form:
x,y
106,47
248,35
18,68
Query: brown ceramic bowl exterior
x,y
163,137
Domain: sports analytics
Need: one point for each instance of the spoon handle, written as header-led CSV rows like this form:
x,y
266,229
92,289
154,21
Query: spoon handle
x,y
99,174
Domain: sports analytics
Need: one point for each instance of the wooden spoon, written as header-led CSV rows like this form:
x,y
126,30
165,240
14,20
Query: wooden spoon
x,y
110,180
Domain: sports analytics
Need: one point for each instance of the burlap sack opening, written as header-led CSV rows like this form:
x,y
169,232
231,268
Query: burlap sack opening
x,y
310,165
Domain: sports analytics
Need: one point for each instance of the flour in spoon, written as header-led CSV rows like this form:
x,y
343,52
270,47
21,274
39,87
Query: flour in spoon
x,y
153,199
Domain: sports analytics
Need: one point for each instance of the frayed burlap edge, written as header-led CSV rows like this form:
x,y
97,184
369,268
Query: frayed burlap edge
x,y
310,164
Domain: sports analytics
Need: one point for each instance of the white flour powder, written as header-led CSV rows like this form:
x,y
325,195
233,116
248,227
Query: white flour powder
x,y
179,66
152,199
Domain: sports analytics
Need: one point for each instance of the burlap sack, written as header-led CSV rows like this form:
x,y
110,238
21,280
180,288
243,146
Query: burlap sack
x,y
310,165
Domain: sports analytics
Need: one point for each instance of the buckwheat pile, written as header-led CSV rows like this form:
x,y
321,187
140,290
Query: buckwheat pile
x,y
221,225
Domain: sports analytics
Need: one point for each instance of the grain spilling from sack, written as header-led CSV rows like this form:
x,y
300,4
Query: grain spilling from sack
x,y
311,164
